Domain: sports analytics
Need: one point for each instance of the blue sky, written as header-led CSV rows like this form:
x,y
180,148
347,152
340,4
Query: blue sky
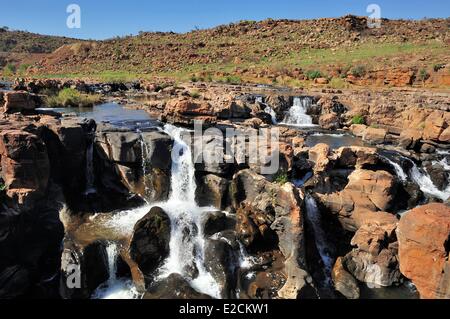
x,y
102,19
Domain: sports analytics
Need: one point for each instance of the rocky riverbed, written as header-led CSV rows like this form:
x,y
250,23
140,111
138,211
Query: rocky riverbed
x,y
355,209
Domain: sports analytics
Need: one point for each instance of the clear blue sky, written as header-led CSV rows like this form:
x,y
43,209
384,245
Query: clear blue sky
x,y
104,19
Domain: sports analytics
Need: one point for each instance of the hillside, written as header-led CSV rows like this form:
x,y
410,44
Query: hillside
x,y
286,52
21,47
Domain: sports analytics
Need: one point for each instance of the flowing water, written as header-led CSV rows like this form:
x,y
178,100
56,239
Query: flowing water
x,y
314,220
297,114
187,242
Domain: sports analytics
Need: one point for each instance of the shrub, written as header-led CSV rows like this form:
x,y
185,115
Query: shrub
x,y
23,69
438,66
72,98
2,187
313,74
358,71
281,178
9,69
233,79
358,119
194,94
423,75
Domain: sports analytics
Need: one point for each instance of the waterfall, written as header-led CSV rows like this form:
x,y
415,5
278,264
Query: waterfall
x,y
398,169
90,176
422,178
115,288
187,242
296,115
444,163
314,220
269,110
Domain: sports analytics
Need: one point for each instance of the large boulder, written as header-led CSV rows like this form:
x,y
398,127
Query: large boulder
x,y
212,190
435,124
375,135
185,111
424,245
173,287
25,166
374,258
330,121
343,281
149,244
19,101
83,269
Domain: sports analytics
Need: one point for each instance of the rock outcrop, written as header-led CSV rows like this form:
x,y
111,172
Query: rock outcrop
x,y
424,244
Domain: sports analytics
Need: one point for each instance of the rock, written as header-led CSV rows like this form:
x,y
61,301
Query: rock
x,y
445,136
219,261
14,282
319,155
212,190
89,262
375,135
185,111
344,282
19,101
358,130
435,124
374,260
321,81
409,138
149,244
143,161
173,287
25,166
217,222
438,176
330,121
424,235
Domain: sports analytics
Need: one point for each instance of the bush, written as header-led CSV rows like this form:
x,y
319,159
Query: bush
x,y
358,71
423,75
233,79
2,187
23,69
194,94
358,119
438,66
313,74
281,178
9,69
72,98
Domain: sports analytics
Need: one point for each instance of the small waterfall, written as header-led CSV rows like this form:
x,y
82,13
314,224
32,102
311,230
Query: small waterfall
x,y
314,220
422,178
115,288
267,109
444,163
398,169
187,242
90,175
296,115
144,155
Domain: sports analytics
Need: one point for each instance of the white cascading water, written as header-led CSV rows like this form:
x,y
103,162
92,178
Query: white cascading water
x,y
267,109
187,241
398,169
296,115
426,184
314,220
115,288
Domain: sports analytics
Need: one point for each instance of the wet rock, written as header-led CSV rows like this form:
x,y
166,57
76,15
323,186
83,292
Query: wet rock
x,y
14,282
374,260
424,237
221,262
438,176
149,244
173,287
217,222
330,121
344,282
83,269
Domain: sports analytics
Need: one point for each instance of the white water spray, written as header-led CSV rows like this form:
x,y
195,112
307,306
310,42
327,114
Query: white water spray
x,y
297,116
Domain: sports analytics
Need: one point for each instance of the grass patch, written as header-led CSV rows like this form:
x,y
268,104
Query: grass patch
x,y
358,71
72,98
313,74
9,69
194,94
358,119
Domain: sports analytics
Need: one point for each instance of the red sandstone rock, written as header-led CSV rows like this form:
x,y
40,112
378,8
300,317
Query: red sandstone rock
x,y
424,245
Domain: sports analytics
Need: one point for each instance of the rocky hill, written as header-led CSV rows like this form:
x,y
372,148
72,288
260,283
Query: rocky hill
x,y
21,47
283,51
